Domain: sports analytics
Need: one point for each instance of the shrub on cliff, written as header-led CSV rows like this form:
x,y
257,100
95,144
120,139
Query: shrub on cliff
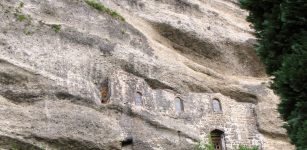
x,y
203,146
281,30
242,147
100,7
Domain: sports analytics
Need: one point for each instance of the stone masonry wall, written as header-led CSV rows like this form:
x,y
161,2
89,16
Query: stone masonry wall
x,y
237,119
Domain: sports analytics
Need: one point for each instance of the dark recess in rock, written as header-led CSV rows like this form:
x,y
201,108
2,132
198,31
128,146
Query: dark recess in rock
x,y
127,141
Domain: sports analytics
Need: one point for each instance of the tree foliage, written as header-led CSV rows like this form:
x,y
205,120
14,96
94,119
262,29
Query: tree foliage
x,y
281,29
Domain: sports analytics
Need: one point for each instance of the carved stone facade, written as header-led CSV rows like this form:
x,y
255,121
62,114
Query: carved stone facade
x,y
237,120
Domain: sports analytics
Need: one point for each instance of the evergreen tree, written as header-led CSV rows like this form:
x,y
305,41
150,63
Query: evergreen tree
x,y
281,29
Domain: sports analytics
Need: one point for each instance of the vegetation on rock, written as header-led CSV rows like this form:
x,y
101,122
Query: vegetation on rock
x,y
56,28
18,13
202,146
242,147
100,7
21,17
281,29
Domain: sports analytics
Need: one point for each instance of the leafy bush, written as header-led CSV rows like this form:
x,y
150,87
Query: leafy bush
x,y
100,7
202,146
281,29
242,147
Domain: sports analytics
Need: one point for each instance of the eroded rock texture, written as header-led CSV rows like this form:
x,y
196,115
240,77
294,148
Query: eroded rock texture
x,y
72,77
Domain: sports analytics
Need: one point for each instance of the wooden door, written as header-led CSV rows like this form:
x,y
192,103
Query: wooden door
x,y
217,143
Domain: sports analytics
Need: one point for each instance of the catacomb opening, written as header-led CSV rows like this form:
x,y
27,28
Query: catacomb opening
x,y
216,105
179,105
218,139
138,99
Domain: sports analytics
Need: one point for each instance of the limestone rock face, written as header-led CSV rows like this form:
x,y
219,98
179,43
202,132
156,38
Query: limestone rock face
x,y
72,77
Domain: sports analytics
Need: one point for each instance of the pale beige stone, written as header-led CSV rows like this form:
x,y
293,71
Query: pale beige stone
x,y
51,82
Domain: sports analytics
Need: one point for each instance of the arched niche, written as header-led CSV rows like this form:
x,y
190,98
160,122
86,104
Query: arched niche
x,y
179,106
138,100
216,105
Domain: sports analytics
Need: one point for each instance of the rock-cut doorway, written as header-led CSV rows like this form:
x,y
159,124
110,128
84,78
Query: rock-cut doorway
x,y
218,139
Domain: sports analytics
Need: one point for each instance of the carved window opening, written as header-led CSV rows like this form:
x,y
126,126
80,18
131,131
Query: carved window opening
x,y
218,139
179,105
138,99
216,105
105,92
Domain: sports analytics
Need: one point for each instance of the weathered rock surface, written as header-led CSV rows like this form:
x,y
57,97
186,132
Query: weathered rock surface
x,y
69,76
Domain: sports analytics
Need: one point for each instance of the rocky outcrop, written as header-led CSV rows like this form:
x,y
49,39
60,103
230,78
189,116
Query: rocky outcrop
x,y
69,75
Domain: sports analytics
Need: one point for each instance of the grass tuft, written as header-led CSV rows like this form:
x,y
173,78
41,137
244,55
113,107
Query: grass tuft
x,y
21,17
100,7
56,27
242,147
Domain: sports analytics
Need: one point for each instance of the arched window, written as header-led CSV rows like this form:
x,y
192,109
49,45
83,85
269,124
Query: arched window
x,y
218,139
138,99
179,105
216,105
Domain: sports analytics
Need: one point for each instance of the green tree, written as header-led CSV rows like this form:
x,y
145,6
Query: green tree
x,y
281,29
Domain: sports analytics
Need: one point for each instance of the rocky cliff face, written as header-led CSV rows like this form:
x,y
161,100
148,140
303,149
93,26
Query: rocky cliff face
x,y
73,77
